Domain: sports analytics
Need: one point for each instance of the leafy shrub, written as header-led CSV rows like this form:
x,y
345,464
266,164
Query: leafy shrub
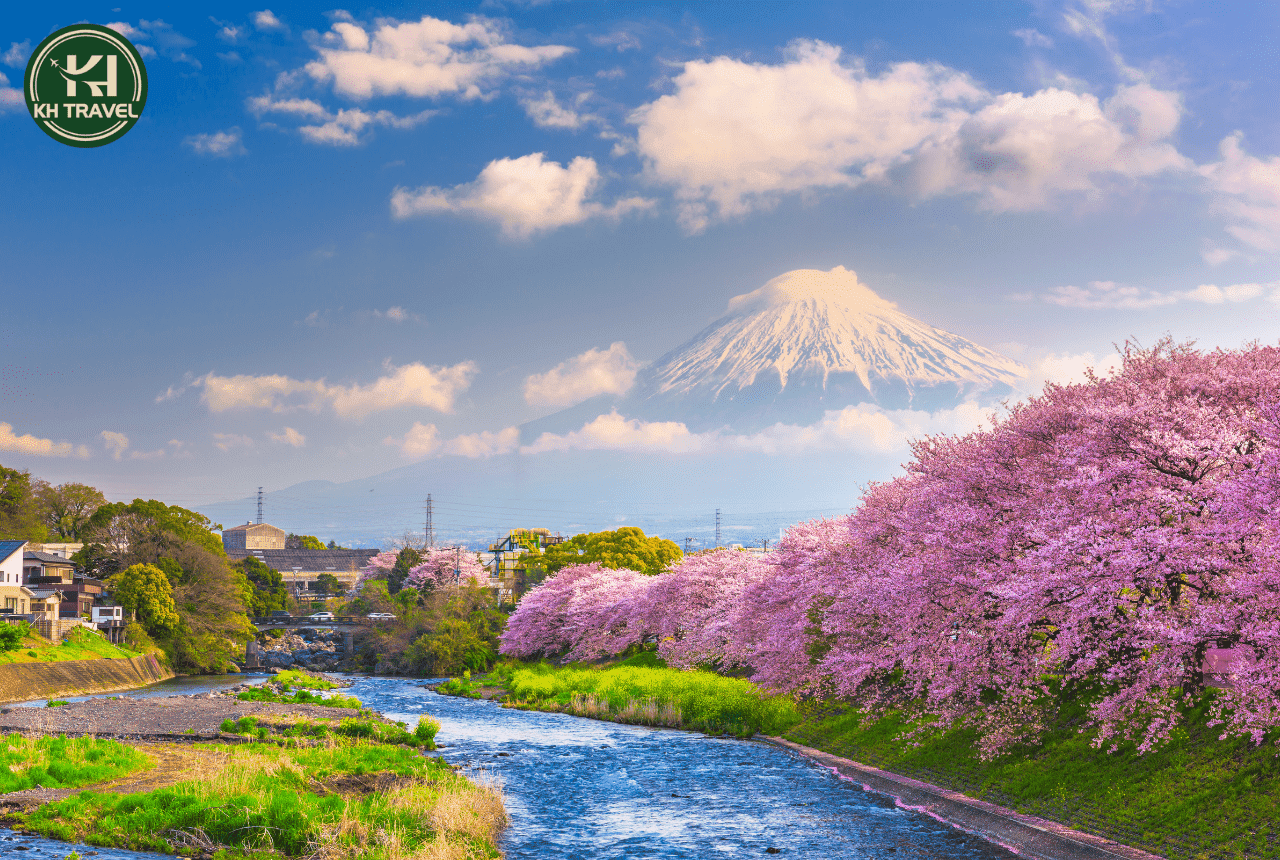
x,y
425,732
11,636
55,703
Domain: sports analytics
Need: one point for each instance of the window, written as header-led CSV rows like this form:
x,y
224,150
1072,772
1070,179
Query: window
x,y
11,603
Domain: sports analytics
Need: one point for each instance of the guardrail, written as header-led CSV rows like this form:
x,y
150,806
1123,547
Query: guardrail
x,y
309,621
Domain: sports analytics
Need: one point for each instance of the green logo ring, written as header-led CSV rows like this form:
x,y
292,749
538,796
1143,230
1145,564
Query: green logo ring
x,y
86,85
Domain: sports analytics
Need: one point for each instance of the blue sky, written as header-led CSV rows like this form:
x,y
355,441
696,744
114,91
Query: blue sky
x,y
348,242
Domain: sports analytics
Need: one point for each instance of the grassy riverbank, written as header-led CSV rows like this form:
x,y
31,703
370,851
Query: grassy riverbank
x,y
60,762
80,644
1196,797
337,800
640,691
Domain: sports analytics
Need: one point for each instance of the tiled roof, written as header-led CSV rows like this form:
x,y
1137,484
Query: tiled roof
x,y
47,558
45,593
9,547
285,560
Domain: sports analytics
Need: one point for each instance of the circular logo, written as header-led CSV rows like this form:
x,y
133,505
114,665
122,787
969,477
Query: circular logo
x,y
85,85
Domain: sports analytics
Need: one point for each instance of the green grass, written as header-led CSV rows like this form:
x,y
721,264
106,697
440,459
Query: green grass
x,y
56,703
648,695
60,762
301,697
80,644
1196,797
303,681
289,803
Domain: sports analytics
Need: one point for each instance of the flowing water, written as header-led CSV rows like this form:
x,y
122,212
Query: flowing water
x,y
578,788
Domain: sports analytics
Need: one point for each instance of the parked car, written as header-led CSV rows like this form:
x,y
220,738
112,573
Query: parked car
x,y
380,616
321,616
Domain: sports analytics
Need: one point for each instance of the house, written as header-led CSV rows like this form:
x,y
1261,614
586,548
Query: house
x,y
507,571
46,604
253,536
110,622
15,598
48,570
64,549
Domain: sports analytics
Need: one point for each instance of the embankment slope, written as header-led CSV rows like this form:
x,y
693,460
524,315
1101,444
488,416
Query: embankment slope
x,y
20,682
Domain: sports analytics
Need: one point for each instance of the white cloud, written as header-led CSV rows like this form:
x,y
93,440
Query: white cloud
x,y
227,441
266,20
409,385
613,432
28,444
127,30
484,444
425,58
423,440
169,42
1109,295
1033,38
735,136
227,31
866,428
115,443
1023,152
547,112
11,98
340,128
16,55
397,314
619,40
288,436
524,195
1247,191
596,371
220,144
1066,369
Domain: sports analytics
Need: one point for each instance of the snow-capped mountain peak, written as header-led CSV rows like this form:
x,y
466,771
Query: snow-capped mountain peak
x,y
807,326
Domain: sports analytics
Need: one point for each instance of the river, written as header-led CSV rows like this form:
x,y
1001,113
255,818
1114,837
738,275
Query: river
x,y
578,788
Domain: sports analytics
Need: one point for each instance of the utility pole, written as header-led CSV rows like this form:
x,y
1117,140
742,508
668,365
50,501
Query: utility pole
x,y
430,530
717,528
457,564
688,541
259,505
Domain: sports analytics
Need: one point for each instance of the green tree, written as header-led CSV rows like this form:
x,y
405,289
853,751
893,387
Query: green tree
x,y
453,646
627,547
407,559
329,584
21,513
269,590
144,590
154,521
293,541
67,508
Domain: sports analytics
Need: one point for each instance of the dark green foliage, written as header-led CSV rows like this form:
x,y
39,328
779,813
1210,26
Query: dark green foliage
x,y
11,636
269,590
329,584
407,559
293,541
20,508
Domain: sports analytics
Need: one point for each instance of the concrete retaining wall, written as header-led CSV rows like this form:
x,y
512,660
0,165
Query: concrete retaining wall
x,y
20,682
1026,835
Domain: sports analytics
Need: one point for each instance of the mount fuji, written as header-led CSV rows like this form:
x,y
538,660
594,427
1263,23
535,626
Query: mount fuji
x,y
805,343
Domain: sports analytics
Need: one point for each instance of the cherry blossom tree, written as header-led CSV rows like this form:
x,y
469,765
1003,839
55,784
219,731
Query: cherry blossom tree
x,y
446,568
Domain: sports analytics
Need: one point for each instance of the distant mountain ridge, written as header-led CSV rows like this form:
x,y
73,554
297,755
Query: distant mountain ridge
x,y
807,342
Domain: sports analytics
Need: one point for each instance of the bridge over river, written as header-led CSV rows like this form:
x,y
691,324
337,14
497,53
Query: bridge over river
x,y
350,626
